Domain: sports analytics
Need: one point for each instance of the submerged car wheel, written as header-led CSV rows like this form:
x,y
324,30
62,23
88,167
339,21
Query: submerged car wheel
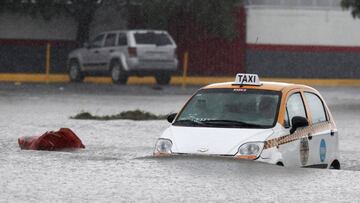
x,y
118,74
163,78
280,164
75,73
335,165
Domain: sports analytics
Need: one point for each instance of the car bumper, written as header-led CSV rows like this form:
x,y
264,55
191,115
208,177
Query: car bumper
x,y
152,65
235,157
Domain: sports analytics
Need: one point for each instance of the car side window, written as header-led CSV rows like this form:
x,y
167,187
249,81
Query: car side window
x,y
110,40
97,41
294,107
122,40
317,108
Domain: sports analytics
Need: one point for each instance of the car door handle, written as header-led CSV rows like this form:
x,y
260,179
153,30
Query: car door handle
x,y
96,52
310,136
111,50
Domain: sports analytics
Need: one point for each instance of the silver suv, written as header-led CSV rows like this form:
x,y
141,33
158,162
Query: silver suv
x,y
125,53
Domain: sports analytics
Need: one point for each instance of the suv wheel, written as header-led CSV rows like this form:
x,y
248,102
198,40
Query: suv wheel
x,y
118,74
75,73
163,78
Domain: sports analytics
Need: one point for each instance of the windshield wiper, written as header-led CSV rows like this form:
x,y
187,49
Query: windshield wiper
x,y
217,123
231,123
188,122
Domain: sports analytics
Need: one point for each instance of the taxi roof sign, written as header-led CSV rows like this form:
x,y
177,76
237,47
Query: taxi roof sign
x,y
247,79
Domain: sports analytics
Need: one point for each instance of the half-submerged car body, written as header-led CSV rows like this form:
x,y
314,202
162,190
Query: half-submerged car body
x,y
277,123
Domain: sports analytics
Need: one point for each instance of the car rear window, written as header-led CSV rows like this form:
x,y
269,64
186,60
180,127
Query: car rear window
x,y
159,39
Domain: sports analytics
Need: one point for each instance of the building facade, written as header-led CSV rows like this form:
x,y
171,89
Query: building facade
x,y
293,38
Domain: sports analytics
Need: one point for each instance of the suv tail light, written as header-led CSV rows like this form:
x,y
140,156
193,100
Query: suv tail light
x,y
132,52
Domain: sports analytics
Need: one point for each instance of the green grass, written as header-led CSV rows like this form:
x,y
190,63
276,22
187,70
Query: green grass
x,y
136,115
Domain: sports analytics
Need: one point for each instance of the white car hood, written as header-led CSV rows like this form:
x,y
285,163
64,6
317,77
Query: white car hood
x,y
208,140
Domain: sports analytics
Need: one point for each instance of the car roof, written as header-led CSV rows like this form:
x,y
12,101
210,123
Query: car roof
x,y
274,86
135,30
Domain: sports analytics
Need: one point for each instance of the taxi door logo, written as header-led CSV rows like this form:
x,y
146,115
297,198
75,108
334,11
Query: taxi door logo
x,y
304,150
322,150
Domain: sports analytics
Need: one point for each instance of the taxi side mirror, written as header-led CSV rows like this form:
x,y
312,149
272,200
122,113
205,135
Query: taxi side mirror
x,y
171,117
298,122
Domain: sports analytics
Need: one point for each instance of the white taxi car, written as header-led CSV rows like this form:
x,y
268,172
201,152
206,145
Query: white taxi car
x,y
278,123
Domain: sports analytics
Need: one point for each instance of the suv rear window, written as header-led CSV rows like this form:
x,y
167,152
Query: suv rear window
x,y
158,39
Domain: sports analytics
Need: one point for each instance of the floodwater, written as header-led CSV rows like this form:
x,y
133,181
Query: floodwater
x,y
117,166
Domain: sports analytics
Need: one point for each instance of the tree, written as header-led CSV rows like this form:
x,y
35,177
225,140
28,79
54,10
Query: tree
x,y
46,8
354,5
215,15
82,11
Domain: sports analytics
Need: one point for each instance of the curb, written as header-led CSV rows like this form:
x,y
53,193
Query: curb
x,y
175,80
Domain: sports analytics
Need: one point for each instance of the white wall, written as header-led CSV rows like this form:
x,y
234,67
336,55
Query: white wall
x,y
16,26
302,27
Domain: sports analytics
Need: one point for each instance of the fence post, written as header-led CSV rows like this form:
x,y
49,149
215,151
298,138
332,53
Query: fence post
x,y
47,62
185,68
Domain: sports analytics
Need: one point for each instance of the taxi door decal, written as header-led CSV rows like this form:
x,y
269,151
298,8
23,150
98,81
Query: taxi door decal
x,y
322,150
304,150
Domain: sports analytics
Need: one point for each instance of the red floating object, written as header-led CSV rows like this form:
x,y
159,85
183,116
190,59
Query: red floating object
x,y
52,141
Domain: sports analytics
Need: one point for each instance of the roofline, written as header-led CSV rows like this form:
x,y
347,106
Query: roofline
x,y
132,30
265,85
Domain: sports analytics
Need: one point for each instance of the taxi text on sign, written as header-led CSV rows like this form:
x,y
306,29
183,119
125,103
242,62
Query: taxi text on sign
x,y
247,79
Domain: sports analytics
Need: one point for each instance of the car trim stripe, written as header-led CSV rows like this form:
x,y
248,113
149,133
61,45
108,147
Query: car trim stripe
x,y
304,132
94,64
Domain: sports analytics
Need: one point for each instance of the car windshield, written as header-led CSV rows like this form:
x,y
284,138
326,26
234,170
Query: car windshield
x,y
233,108
158,39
